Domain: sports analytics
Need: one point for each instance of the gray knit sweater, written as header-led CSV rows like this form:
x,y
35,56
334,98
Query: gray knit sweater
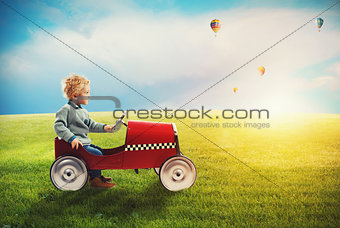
x,y
72,121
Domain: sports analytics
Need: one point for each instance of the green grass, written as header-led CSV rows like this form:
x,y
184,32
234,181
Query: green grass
x,y
300,153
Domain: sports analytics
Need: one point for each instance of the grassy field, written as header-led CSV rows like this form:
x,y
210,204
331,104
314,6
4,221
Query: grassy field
x,y
299,154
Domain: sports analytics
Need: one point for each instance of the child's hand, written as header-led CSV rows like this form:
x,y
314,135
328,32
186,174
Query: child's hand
x,y
109,128
75,143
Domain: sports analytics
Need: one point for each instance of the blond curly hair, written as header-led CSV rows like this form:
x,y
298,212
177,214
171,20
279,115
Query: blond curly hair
x,y
73,85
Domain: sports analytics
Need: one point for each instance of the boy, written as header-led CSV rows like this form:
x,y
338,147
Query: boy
x,y
73,123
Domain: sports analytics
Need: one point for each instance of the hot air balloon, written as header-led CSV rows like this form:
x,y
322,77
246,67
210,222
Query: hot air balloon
x,y
319,22
215,25
261,70
235,90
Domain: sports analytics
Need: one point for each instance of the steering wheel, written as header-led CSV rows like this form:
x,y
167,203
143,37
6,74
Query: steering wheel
x,y
119,123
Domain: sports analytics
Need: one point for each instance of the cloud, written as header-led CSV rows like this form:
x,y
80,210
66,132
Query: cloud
x,y
329,81
329,78
333,81
148,49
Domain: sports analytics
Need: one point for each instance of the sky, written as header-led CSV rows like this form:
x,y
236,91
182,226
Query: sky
x,y
167,52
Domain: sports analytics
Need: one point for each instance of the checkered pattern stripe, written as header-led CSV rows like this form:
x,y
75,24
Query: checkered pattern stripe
x,y
153,146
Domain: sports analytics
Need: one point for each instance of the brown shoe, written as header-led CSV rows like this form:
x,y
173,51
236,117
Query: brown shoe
x,y
97,182
106,179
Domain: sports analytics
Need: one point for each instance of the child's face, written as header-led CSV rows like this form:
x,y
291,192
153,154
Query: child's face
x,y
84,92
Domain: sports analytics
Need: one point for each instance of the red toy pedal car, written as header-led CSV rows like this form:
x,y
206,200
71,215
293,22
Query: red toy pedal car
x,y
147,145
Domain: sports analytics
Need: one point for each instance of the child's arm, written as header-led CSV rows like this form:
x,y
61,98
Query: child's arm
x,y
96,127
60,126
99,127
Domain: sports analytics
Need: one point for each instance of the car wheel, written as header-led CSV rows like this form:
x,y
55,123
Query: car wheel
x,y
68,173
177,173
156,170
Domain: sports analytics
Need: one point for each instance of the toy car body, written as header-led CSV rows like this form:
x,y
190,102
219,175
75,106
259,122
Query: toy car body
x,y
147,145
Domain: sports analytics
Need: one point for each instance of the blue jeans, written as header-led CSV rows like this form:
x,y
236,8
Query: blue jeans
x,y
96,150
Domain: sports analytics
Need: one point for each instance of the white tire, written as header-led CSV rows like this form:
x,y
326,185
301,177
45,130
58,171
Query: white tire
x,y
177,173
68,173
